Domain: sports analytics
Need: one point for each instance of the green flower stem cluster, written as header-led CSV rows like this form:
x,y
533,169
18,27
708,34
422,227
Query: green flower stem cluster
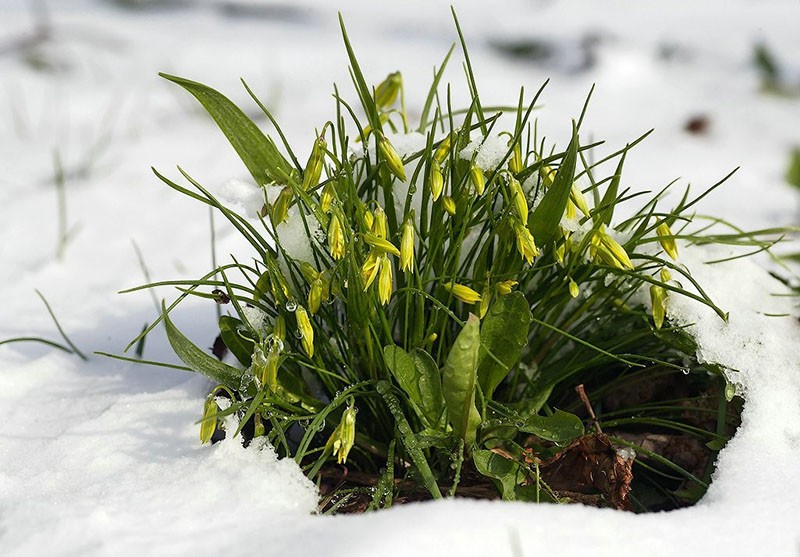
x,y
451,303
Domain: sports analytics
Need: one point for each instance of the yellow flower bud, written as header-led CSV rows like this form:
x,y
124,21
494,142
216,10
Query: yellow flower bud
x,y
515,162
667,240
336,238
518,199
666,276
265,366
279,329
440,155
437,181
385,280
658,297
393,161
315,296
370,269
449,205
577,197
327,197
209,424
505,287
486,299
379,224
306,331
344,436
547,174
462,293
573,288
308,271
281,206
314,165
407,245
618,256
381,245
386,92
526,246
368,219
477,178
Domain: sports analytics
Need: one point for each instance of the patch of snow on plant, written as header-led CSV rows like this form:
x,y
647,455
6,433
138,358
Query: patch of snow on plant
x,y
488,151
245,195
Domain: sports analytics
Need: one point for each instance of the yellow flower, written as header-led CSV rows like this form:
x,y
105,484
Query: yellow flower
x,y
379,223
281,206
315,296
610,252
505,287
279,329
526,246
314,165
518,199
336,238
477,178
577,197
515,162
344,436
463,293
209,424
437,181
449,205
666,276
368,219
486,299
393,161
658,297
443,150
385,280
370,269
327,197
573,288
407,244
381,245
306,331
386,92
667,240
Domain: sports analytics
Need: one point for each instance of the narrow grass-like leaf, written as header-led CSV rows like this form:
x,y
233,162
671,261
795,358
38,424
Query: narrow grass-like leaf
x,y
60,329
258,153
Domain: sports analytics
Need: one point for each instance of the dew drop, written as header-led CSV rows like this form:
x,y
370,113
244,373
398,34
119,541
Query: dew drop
x,y
291,305
298,334
685,371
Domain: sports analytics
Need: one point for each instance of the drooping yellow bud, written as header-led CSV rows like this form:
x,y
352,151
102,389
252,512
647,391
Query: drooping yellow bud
x,y
658,297
370,269
547,174
315,296
379,223
440,155
344,436
386,92
385,280
314,165
576,196
518,199
327,197
393,161
281,206
515,162
407,241
308,271
449,205
609,251
526,245
279,329
209,424
505,287
666,276
477,178
381,244
667,240
486,299
368,219
462,293
306,330
574,290
437,180
265,364
336,237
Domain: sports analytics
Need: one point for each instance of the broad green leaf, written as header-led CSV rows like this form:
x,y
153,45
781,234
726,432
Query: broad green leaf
x,y
506,472
559,428
239,346
504,332
459,380
418,375
544,220
197,359
258,152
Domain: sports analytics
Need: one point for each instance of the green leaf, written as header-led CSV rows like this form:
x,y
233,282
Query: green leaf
x,y
239,346
793,170
197,359
545,219
506,472
504,332
559,428
258,152
459,379
418,375
606,209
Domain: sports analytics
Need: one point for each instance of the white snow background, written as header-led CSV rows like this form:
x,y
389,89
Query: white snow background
x,y
103,458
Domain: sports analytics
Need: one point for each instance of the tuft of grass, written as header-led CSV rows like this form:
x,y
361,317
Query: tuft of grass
x,y
422,315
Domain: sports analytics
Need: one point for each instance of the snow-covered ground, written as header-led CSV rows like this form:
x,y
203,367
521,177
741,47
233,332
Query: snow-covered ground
x,y
102,457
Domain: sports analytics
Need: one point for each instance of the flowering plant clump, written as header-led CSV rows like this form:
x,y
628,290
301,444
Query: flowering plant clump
x,y
422,302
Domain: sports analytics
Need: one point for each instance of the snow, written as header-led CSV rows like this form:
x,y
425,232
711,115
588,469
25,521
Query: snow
x,y
102,457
